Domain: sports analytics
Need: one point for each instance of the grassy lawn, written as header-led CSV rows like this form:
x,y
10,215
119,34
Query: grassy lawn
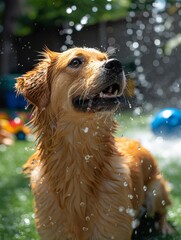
x,y
16,201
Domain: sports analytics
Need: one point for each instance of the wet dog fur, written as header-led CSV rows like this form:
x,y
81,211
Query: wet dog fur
x,y
87,184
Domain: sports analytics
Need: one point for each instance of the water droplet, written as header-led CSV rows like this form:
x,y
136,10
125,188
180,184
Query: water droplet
x,y
130,196
94,9
26,221
154,192
163,202
130,212
108,7
125,184
85,229
84,21
82,204
135,45
135,223
68,10
86,129
87,218
121,209
78,27
74,8
144,188
87,158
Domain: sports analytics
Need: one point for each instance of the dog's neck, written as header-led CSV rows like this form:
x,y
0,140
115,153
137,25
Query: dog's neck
x,y
94,131
79,146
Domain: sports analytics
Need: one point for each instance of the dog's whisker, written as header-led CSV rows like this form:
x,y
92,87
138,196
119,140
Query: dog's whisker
x,y
72,93
111,51
127,100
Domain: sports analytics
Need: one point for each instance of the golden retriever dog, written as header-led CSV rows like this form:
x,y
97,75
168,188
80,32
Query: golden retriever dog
x,y
87,184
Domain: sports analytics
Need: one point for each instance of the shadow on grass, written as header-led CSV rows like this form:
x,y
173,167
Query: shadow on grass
x,y
147,231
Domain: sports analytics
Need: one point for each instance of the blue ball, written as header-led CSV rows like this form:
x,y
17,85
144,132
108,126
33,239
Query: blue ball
x,y
167,123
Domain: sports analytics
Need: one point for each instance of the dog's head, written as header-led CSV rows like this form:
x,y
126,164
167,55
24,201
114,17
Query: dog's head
x,y
79,79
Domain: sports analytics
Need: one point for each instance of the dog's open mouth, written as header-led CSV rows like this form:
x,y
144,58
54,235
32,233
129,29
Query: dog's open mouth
x,y
105,99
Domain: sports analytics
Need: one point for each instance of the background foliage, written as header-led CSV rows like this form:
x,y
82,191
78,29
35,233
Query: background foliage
x,y
33,13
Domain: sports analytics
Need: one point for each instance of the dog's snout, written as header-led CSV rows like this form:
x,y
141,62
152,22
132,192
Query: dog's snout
x,y
113,65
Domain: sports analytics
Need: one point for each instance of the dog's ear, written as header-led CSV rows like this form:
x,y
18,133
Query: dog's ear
x,y
34,85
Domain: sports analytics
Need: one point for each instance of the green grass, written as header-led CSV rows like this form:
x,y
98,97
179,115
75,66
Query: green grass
x,y
16,200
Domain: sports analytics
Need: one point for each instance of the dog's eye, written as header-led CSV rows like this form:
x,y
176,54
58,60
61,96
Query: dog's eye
x,y
76,62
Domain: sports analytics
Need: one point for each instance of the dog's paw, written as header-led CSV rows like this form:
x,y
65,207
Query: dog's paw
x,y
164,227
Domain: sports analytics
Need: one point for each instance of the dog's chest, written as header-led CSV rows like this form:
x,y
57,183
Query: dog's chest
x,y
81,210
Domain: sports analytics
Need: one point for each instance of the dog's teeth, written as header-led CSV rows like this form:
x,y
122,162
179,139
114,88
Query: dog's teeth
x,y
116,93
101,94
110,90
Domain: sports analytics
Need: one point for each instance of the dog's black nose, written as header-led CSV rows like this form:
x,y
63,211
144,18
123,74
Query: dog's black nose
x,y
114,65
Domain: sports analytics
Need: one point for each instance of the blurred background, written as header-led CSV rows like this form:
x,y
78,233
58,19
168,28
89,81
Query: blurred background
x,y
144,35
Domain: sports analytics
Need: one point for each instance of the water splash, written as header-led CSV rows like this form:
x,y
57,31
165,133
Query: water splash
x,y
168,150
